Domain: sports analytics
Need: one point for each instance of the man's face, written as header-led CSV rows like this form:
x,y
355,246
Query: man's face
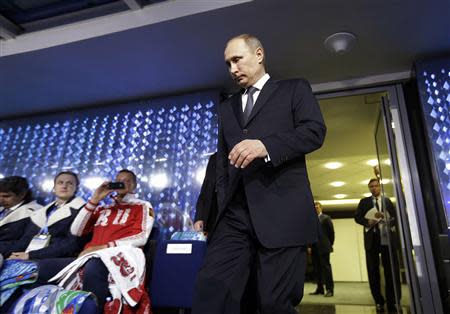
x,y
65,186
375,188
318,208
127,179
245,64
10,199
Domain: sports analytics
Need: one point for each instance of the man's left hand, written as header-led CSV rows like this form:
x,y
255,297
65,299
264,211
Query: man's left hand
x,y
245,152
19,255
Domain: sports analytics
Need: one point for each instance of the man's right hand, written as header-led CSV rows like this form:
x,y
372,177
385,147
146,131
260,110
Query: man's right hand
x,y
101,192
372,222
198,225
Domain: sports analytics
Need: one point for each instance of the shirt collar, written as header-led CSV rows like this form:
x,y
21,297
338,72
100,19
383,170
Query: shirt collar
x,y
262,81
17,205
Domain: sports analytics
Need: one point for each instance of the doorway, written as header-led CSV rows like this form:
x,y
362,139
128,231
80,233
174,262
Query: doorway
x,y
367,138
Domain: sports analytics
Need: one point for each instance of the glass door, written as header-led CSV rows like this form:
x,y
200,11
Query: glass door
x,y
390,225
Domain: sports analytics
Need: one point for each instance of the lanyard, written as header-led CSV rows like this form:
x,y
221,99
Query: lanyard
x,y
50,211
5,212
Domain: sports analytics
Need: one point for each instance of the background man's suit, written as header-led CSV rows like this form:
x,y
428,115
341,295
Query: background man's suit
x,y
266,210
374,247
206,208
321,254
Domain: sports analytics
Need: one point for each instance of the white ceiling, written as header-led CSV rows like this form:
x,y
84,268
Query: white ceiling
x,y
173,49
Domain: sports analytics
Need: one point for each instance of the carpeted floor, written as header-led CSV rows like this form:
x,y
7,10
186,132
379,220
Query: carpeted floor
x,y
340,309
348,293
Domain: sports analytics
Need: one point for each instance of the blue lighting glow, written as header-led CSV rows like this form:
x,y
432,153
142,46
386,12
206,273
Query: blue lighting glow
x,y
166,142
434,89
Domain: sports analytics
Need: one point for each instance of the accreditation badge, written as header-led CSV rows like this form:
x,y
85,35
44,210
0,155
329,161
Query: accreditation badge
x,y
38,242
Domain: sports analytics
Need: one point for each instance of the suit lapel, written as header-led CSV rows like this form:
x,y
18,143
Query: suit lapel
x,y
263,97
236,103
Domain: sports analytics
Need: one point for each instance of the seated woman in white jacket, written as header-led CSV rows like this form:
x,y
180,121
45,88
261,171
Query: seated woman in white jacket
x,y
16,207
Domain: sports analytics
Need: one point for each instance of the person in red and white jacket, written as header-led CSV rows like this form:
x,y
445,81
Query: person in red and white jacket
x,y
125,224
128,221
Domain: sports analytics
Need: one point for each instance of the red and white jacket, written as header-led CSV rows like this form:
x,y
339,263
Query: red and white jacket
x,y
125,223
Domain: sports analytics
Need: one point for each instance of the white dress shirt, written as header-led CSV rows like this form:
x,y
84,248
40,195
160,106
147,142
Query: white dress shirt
x,y
259,85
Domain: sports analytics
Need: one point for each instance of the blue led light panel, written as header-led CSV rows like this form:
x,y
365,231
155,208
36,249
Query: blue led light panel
x,y
434,88
166,142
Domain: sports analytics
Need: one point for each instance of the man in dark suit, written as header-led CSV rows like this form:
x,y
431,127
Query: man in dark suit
x,y
377,214
321,254
266,215
206,209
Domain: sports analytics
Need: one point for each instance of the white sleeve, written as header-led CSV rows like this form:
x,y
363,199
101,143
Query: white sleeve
x,y
82,223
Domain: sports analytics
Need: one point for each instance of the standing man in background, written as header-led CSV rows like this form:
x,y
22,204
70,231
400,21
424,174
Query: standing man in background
x,y
266,214
321,254
376,243
206,209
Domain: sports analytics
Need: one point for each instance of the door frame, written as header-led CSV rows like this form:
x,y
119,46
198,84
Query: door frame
x,y
421,272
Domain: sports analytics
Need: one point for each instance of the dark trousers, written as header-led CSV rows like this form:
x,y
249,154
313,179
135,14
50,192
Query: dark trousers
x,y
50,267
373,269
322,270
234,253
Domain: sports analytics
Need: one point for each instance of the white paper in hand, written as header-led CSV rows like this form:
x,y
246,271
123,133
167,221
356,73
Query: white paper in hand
x,y
371,214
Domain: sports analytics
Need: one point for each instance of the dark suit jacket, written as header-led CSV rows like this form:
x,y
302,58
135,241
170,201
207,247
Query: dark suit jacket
x,y
326,235
206,208
287,119
13,225
364,206
62,242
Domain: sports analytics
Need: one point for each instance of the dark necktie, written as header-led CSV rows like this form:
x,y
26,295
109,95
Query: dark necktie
x,y
4,213
249,104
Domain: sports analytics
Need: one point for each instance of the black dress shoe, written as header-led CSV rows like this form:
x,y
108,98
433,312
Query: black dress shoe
x,y
329,294
380,308
316,292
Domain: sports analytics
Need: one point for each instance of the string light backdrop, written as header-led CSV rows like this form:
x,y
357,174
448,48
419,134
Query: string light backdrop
x,y
166,142
434,87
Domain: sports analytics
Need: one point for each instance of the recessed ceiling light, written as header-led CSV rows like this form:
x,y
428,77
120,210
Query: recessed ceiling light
x,y
340,43
340,196
385,181
333,165
367,194
387,162
340,202
365,182
337,183
372,162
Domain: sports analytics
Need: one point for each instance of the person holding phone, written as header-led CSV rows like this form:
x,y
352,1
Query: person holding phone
x,y
118,231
